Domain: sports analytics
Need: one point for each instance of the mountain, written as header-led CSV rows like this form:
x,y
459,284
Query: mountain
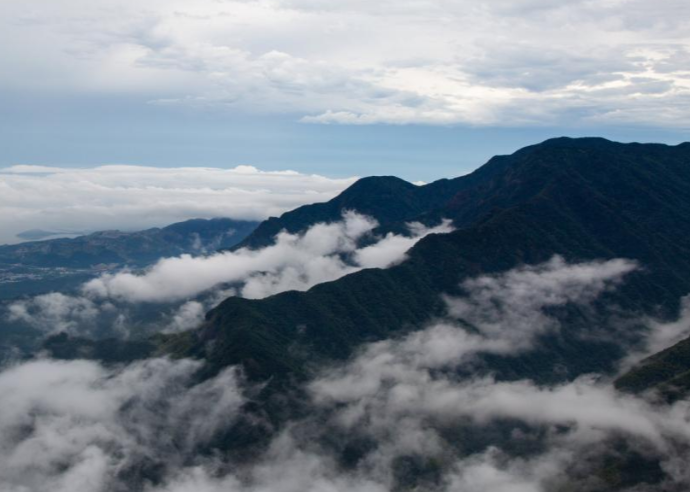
x,y
388,199
582,199
314,390
136,248
61,264
393,201
667,372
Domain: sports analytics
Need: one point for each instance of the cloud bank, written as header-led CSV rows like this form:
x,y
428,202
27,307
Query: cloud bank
x,y
323,253
398,415
79,427
136,197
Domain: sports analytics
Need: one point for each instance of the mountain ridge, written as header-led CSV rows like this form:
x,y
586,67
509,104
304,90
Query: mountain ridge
x,y
37,267
387,199
555,198
433,197
137,247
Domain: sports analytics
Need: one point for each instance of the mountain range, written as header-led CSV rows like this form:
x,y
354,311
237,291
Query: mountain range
x,y
132,248
575,199
581,199
519,341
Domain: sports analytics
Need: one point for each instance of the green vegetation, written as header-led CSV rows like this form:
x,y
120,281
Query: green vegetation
x,y
667,371
579,198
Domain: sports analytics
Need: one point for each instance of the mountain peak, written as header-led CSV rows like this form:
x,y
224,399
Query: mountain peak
x,y
565,141
388,199
376,185
595,143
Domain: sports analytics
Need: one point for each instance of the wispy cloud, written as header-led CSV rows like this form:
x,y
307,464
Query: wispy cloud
x,y
502,314
77,426
186,287
323,253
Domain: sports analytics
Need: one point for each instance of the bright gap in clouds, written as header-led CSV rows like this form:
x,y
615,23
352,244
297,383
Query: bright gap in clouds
x,y
137,197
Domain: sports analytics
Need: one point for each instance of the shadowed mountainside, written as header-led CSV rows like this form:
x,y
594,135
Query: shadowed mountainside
x,y
388,199
579,198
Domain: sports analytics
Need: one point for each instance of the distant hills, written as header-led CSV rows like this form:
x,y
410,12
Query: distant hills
x,y
136,248
40,234
579,198
58,264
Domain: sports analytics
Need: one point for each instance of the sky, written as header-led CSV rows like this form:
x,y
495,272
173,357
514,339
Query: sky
x,y
420,89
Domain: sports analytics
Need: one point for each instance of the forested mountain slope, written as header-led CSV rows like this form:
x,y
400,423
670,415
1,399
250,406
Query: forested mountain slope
x,y
579,198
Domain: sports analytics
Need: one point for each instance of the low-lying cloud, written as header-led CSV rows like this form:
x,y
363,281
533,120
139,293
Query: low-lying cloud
x,y
500,314
60,312
399,415
323,253
184,288
79,427
409,397
73,200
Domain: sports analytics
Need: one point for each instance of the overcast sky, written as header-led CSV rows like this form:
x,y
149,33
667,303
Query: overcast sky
x,y
421,89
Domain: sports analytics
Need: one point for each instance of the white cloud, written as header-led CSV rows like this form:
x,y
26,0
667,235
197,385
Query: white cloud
x,y
356,62
294,262
664,335
405,399
190,286
507,310
92,317
77,426
74,426
135,197
188,316
500,314
407,396
56,312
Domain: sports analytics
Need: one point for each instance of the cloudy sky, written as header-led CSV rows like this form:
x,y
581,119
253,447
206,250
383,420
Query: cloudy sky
x,y
79,200
422,89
